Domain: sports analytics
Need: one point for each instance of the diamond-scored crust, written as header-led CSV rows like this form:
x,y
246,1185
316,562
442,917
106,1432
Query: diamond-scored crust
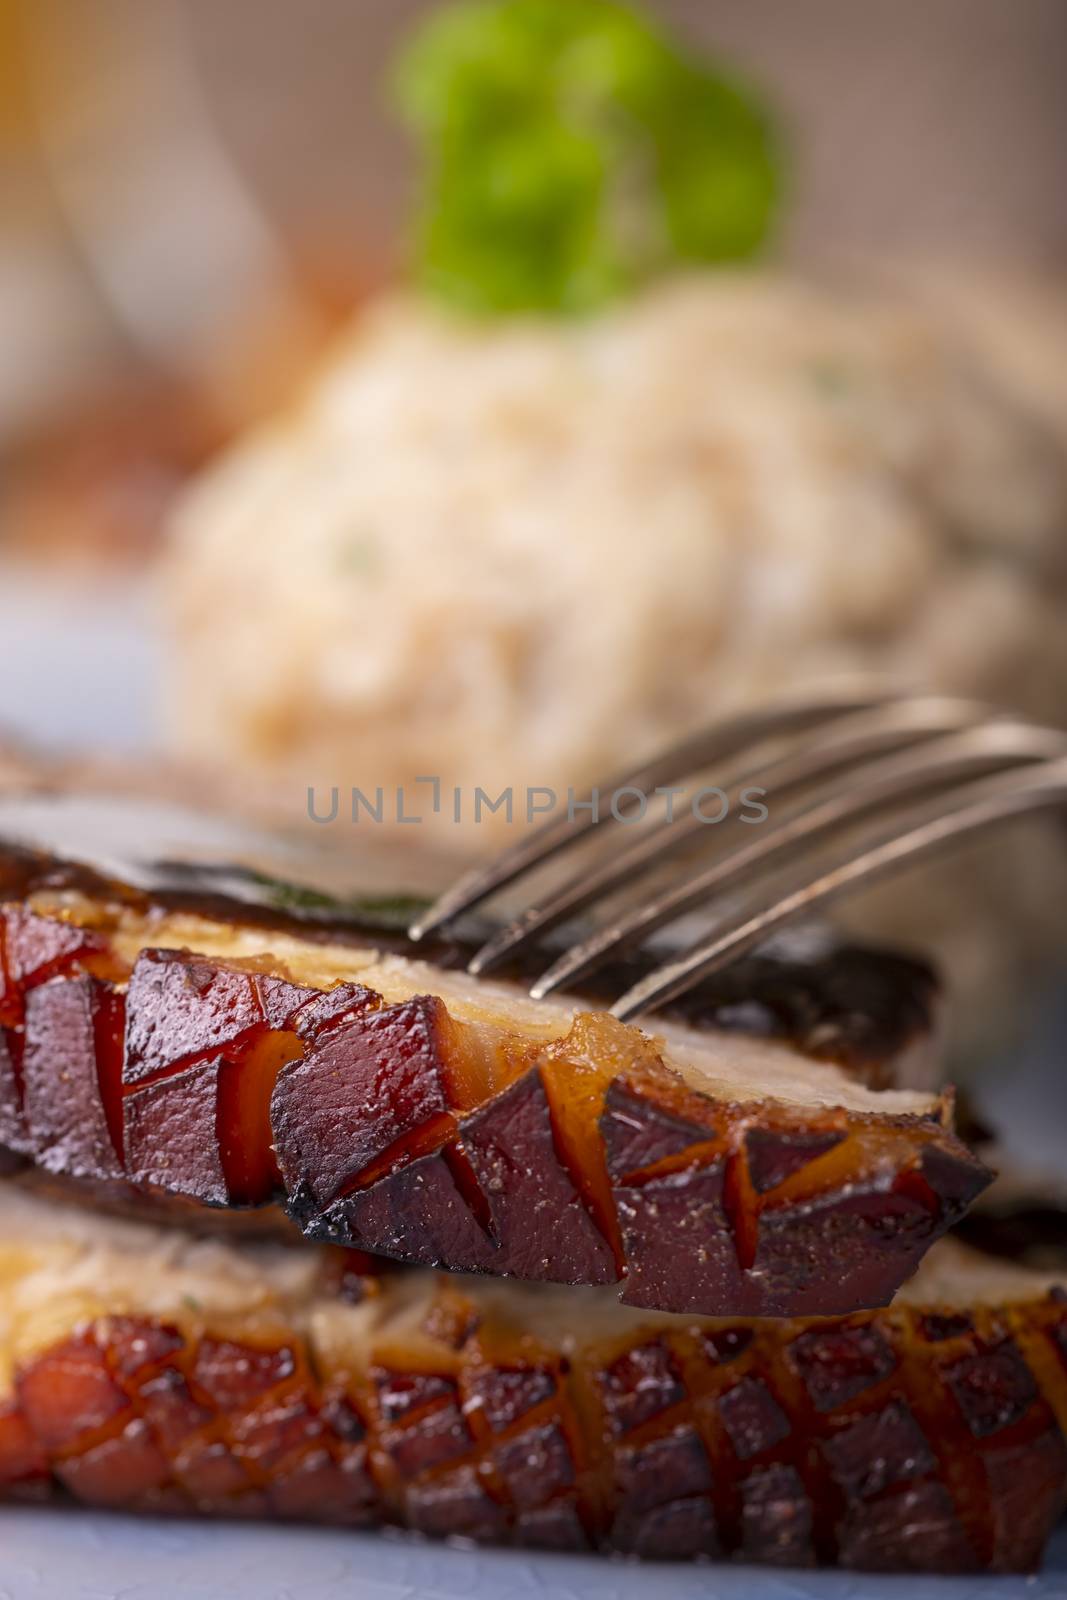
x,y
420,1128
915,1438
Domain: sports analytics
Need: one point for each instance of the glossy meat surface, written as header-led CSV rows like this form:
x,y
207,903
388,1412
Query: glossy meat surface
x,y
400,1108
144,1371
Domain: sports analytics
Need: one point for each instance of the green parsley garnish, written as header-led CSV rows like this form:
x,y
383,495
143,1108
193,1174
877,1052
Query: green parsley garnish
x,y
572,151
389,912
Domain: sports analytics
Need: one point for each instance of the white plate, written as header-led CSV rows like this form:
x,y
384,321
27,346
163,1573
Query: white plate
x,y
81,1556
79,665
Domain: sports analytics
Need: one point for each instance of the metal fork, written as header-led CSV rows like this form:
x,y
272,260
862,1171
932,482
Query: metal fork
x,y
922,771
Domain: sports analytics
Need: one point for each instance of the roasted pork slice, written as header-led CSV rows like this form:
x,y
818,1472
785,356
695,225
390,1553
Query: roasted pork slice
x,y
143,1369
400,1107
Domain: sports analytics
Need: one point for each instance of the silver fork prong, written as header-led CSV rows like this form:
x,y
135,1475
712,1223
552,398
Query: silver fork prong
x,y
849,741
717,743
921,831
887,780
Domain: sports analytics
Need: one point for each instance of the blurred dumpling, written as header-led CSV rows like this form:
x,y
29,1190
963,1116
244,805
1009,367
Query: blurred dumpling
x,y
522,552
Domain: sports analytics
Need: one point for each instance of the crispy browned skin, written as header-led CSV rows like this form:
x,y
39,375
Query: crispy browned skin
x,y
401,1129
922,1438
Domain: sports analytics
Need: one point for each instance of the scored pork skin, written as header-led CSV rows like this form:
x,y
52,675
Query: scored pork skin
x,y
400,1108
144,1371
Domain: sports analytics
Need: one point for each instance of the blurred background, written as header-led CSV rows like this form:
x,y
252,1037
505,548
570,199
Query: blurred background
x,y
201,188
194,195
258,496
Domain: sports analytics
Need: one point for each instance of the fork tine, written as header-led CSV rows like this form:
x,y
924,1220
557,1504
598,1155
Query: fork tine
x,y
861,735
724,739
890,779
921,831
